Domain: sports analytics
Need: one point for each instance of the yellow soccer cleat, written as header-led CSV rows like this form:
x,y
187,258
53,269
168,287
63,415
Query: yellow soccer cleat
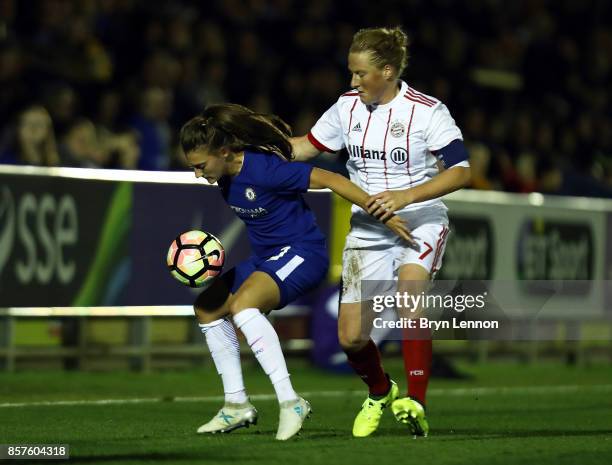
x,y
368,418
410,412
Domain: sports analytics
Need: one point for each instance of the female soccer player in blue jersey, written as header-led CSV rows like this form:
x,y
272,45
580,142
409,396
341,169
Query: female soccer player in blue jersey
x,y
247,155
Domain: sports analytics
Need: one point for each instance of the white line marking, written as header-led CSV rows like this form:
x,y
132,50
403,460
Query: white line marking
x,y
459,392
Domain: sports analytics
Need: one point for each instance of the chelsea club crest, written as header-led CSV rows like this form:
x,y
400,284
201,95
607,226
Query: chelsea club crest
x,y
249,193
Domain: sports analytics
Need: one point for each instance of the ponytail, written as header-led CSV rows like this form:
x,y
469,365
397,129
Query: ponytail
x,y
237,128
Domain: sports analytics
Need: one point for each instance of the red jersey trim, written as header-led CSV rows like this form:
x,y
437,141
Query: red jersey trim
x,y
385,148
439,248
408,146
363,145
418,100
351,116
416,94
318,145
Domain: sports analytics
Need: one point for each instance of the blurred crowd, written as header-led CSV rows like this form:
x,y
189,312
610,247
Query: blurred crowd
x,y
108,83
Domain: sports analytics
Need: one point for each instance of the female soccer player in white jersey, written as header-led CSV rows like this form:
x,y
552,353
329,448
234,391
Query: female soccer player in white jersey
x,y
247,154
406,151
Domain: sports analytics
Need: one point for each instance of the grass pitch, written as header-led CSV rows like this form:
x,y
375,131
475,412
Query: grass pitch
x,y
507,414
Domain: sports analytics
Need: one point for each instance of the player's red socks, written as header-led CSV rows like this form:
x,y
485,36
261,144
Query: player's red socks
x,y
367,364
416,349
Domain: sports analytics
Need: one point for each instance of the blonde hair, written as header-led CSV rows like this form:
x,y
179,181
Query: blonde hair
x,y
387,46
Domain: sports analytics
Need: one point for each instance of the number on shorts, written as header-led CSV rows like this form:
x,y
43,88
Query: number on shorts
x,y
283,251
427,252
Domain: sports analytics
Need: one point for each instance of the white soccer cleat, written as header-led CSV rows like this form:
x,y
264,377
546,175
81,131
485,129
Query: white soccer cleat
x,y
229,418
292,416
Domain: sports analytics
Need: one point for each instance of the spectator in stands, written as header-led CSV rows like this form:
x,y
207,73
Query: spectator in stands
x,y
550,60
13,89
80,146
120,143
558,181
122,149
32,142
62,102
85,147
154,131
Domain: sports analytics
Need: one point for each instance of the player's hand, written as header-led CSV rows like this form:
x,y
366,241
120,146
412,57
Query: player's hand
x,y
400,227
383,204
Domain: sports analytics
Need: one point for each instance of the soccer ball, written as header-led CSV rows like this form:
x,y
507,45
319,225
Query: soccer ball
x,y
195,258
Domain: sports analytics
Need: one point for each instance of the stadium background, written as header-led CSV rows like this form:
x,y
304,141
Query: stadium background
x,y
528,82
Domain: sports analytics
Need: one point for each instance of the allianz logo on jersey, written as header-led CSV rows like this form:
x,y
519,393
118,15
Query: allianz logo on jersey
x,y
357,151
398,155
249,212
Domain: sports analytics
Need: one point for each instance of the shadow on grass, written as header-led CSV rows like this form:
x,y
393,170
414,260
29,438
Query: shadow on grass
x,y
460,434
528,409
470,434
160,457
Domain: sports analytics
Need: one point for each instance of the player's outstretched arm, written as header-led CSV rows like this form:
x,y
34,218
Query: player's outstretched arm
x,y
385,203
303,149
323,179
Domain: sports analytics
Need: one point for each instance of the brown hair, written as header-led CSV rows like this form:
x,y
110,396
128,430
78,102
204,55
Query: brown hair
x,y
236,128
45,154
387,46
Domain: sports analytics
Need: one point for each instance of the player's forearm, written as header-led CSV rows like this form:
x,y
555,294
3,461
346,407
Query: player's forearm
x,y
444,183
303,150
322,179
349,191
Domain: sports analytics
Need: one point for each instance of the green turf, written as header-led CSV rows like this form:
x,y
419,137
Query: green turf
x,y
500,424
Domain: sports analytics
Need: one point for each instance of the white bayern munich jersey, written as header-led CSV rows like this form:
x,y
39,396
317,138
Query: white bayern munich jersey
x,y
389,145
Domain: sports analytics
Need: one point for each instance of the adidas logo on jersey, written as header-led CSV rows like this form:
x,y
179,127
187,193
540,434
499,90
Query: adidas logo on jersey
x,y
357,127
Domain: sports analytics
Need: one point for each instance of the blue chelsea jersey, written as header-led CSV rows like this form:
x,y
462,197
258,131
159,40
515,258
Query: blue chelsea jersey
x,y
266,195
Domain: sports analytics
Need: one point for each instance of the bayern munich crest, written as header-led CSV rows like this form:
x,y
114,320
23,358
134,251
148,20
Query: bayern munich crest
x,y
397,129
249,193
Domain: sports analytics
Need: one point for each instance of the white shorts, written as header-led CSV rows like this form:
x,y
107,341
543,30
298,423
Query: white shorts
x,y
376,258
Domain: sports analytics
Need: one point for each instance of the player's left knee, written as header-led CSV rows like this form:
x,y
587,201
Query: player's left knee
x,y
413,279
205,318
351,341
212,299
238,303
